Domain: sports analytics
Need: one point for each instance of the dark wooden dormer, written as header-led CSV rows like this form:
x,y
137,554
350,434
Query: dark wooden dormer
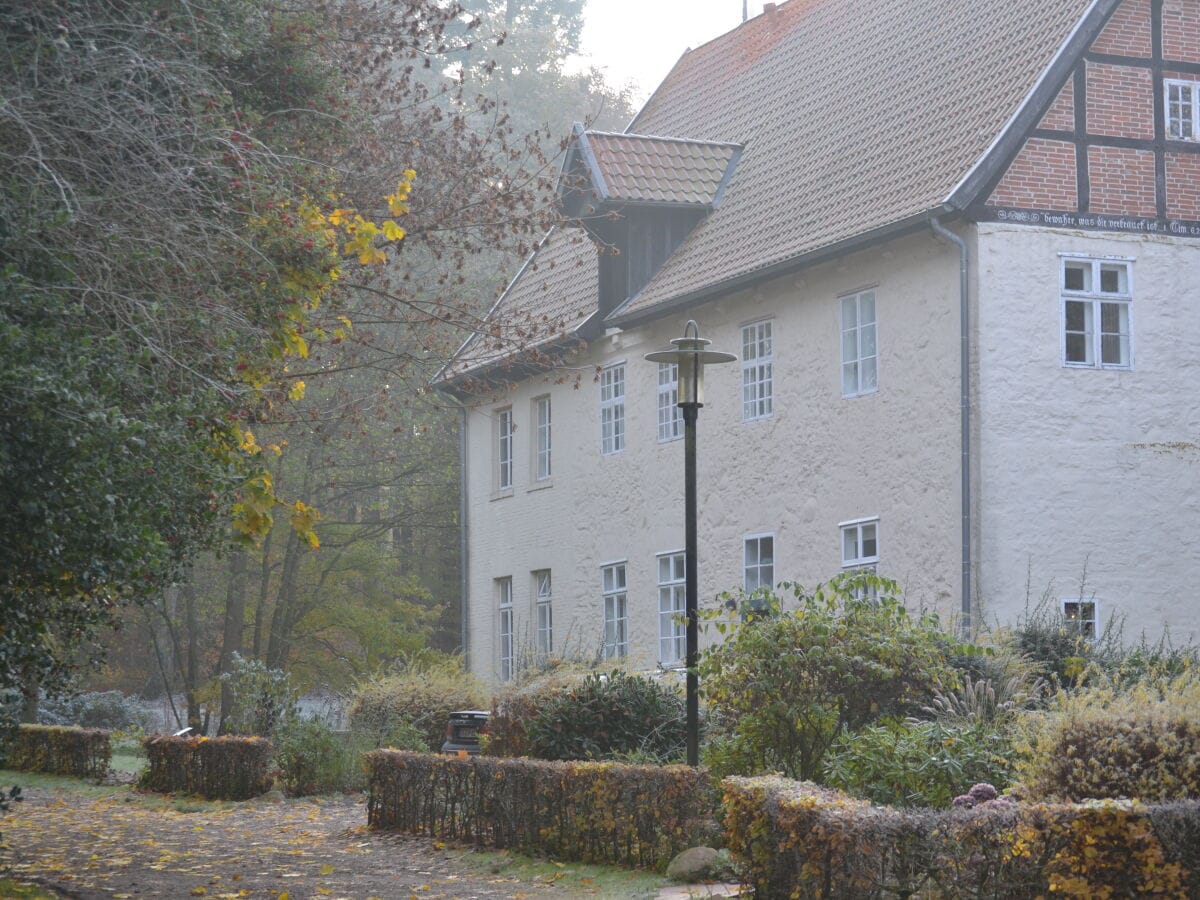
x,y
639,197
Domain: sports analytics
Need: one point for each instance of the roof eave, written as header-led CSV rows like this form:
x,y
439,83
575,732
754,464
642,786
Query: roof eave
x,y
511,365
863,241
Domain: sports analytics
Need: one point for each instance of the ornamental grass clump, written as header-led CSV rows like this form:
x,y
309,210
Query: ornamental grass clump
x,y
421,695
1140,742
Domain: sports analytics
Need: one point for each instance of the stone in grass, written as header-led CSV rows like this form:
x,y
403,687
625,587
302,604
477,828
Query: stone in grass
x,y
694,864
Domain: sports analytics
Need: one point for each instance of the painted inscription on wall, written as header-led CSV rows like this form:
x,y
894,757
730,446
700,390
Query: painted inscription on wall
x,y
1090,221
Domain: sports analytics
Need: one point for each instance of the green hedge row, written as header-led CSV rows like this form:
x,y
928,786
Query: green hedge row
x,y
224,768
800,841
638,816
59,750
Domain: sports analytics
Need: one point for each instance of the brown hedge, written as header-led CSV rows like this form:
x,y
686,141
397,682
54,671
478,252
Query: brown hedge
x,y
637,816
59,750
224,768
801,841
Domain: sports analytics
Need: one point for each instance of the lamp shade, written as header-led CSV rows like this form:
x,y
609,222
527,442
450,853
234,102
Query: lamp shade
x,y
691,357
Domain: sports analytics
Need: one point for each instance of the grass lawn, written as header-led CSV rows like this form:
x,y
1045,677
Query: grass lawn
x,y
576,879
15,890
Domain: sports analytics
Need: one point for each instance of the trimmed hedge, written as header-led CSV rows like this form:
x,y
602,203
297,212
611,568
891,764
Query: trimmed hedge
x,y
637,816
224,768
61,750
801,841
1147,755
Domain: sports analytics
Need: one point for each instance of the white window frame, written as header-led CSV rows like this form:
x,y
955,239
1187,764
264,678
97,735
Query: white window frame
x,y
612,409
1072,607
670,416
857,357
506,629
1093,301
543,599
542,438
504,449
1191,105
757,566
758,370
615,591
857,527
672,596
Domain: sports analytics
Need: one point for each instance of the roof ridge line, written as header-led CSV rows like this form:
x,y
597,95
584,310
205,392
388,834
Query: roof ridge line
x,y
665,138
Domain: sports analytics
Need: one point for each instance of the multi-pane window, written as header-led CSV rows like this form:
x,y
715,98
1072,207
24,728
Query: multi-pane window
x,y
1183,109
1079,616
670,417
860,544
672,630
543,599
860,356
504,590
616,611
612,409
504,449
758,562
541,463
1096,304
757,379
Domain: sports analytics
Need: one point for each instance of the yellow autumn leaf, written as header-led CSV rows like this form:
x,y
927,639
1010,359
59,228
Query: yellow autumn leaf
x,y
247,442
327,869
392,231
297,391
372,256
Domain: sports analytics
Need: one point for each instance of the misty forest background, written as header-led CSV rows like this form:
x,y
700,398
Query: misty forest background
x,y
171,452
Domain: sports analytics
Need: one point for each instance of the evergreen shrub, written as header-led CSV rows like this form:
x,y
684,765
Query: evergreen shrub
x,y
224,768
514,709
60,750
611,715
595,812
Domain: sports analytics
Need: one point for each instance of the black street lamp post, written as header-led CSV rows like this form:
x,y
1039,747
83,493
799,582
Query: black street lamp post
x,y
691,357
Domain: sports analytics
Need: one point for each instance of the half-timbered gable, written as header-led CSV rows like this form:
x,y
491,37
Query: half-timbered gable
x,y
1119,147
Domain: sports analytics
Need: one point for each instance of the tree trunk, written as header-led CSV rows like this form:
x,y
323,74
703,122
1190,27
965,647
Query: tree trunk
x,y
192,674
264,595
30,691
235,622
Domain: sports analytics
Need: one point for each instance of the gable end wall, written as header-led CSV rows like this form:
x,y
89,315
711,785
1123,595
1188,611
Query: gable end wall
x,y
1101,150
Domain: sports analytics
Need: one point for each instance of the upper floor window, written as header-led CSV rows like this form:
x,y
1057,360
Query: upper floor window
x,y
670,418
1079,617
504,449
860,544
541,462
860,356
758,562
1096,313
612,409
504,592
672,630
1183,109
616,611
544,600
757,380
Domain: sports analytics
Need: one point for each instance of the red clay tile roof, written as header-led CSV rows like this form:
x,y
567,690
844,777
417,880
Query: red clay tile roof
x,y
854,115
640,168
552,295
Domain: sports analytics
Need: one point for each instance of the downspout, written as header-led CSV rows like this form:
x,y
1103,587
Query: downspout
x,y
463,546
965,415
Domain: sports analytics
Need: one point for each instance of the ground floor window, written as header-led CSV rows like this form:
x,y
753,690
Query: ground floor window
x,y
1079,616
545,613
616,611
672,631
504,590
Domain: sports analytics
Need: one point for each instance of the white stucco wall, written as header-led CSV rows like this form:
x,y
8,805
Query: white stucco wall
x,y
819,460
1088,469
